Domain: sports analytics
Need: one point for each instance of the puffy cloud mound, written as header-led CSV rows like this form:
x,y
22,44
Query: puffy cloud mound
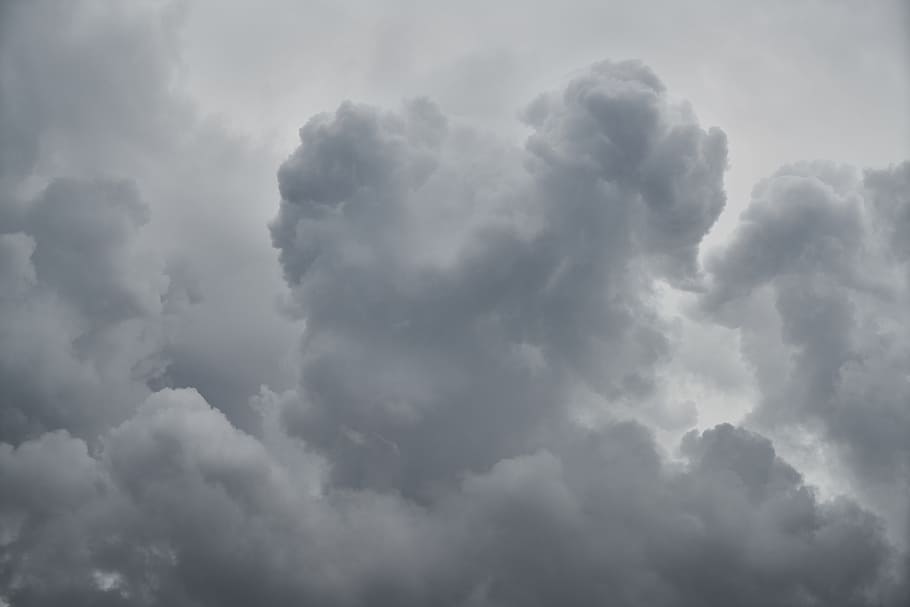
x,y
182,508
130,214
817,279
458,292
80,312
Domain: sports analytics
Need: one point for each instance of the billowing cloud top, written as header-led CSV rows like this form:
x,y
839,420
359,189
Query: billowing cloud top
x,y
818,279
475,414
445,281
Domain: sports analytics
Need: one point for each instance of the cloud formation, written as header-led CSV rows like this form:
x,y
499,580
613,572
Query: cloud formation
x,y
137,206
465,305
81,310
445,281
817,279
181,507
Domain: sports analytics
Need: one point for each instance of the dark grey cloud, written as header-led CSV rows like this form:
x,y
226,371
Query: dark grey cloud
x,y
817,274
538,284
81,310
462,301
138,210
180,507
82,233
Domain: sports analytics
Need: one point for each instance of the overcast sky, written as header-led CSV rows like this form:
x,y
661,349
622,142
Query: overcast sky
x,y
485,304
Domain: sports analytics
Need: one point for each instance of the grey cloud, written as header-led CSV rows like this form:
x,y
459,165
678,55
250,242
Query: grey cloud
x,y
91,123
616,125
82,93
798,222
181,507
419,371
827,246
81,319
541,287
889,193
83,234
459,299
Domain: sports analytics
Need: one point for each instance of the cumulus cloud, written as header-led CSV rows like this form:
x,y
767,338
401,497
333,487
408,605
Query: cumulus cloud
x,y
464,304
537,285
80,313
181,507
138,209
817,275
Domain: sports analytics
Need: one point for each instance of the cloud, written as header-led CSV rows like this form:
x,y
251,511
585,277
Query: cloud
x,y
81,314
84,84
138,208
536,285
83,101
817,274
463,303
181,507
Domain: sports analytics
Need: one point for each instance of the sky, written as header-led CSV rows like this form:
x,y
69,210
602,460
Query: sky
x,y
480,304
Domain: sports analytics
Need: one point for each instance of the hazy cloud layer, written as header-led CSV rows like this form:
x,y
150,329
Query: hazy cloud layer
x,y
462,399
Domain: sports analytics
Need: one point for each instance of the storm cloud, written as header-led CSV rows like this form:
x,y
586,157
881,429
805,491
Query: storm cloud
x,y
182,508
536,288
416,361
816,280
